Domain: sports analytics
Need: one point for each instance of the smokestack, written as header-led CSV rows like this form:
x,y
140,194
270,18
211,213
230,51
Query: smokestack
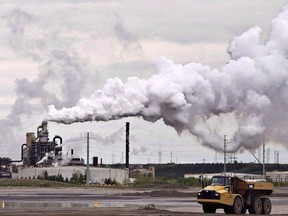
x,y
127,145
95,161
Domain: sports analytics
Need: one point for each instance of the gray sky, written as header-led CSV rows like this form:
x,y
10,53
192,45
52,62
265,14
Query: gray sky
x,y
55,52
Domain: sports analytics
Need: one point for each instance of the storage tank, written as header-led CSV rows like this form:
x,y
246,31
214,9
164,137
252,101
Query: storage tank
x,y
30,137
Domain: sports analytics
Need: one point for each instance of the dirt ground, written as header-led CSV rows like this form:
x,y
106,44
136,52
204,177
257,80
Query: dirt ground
x,y
111,201
106,211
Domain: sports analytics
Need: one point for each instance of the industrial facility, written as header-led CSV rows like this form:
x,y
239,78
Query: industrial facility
x,y
40,150
39,155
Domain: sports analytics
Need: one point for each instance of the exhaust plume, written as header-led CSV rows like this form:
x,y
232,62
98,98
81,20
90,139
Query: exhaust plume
x,y
108,140
135,151
61,79
252,86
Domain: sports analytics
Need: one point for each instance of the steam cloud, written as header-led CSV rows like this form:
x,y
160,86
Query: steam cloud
x,y
108,140
253,86
135,151
27,38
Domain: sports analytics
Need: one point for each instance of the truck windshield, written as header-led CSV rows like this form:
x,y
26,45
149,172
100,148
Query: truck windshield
x,y
220,181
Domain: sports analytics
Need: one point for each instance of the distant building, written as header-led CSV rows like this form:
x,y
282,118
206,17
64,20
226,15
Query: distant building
x,y
277,176
142,172
97,174
210,175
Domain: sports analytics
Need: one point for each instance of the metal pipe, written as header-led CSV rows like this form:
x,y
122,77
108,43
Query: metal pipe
x,y
255,157
57,137
22,149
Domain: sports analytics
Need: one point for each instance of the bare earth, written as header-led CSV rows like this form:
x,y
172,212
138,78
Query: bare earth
x,y
110,201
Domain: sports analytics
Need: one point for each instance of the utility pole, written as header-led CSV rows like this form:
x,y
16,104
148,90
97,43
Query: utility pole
x,y
264,169
160,157
87,164
268,155
225,145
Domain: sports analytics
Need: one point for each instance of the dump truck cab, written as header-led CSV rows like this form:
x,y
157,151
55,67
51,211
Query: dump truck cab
x,y
235,196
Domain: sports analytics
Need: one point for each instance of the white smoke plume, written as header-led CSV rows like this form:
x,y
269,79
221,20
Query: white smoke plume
x,y
130,44
253,86
48,156
108,140
136,151
79,143
60,81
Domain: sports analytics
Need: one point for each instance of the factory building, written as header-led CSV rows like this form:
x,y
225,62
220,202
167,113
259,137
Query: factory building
x,y
39,149
97,174
42,155
142,172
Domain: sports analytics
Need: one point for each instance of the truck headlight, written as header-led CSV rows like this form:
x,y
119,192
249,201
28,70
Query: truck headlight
x,y
217,195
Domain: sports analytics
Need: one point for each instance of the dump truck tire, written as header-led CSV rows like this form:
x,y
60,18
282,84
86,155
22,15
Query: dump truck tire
x,y
266,206
237,206
256,206
208,209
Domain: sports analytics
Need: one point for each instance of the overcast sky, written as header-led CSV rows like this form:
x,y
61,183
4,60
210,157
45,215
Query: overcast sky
x,y
55,52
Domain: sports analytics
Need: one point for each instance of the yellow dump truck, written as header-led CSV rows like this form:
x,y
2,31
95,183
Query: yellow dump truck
x,y
236,196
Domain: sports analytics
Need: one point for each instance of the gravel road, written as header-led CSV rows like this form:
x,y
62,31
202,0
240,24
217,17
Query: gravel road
x,y
111,201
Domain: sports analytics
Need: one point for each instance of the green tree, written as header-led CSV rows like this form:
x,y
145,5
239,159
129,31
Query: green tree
x,y
75,178
45,174
59,178
81,179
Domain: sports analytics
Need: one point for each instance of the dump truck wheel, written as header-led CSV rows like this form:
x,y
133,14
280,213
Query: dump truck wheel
x,y
256,207
237,206
209,209
267,206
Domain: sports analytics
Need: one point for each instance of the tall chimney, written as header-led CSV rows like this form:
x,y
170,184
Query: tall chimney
x,y
127,145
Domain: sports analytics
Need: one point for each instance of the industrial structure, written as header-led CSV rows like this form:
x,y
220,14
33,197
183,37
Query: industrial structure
x,y
97,175
40,149
142,172
40,155
5,168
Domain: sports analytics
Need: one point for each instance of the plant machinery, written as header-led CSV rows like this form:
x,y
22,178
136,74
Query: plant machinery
x,y
236,196
5,168
39,149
